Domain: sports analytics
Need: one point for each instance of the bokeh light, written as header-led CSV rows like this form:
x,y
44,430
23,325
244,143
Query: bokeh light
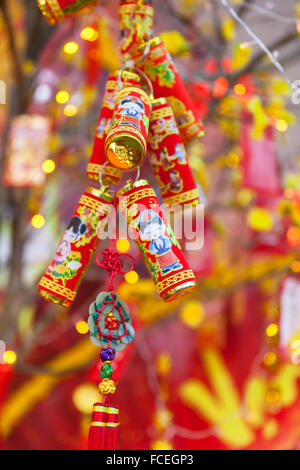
x,y
70,110
123,245
71,47
62,97
89,34
82,327
9,357
38,221
239,89
48,166
132,277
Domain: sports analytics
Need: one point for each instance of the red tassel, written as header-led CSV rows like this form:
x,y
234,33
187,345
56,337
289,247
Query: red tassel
x,y
103,433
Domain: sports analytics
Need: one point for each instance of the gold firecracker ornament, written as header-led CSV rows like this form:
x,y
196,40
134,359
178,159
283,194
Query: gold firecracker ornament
x,y
116,81
126,142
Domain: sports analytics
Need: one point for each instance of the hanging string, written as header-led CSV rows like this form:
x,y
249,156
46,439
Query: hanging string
x,y
111,259
275,62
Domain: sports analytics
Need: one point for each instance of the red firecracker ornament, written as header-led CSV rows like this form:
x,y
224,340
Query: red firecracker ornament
x,y
57,10
136,23
168,157
156,241
61,280
155,61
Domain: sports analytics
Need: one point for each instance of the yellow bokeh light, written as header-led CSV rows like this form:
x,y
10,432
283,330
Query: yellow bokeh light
x,y
232,159
293,235
239,89
192,314
259,219
281,125
9,357
161,444
132,277
62,96
162,418
84,396
71,47
38,221
295,267
270,429
244,197
123,245
163,363
48,166
272,330
89,34
270,359
82,327
70,110
272,396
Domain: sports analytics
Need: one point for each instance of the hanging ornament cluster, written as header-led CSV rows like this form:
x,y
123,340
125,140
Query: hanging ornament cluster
x,y
110,329
146,110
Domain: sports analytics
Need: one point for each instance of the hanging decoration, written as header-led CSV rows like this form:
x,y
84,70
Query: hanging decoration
x,y
136,24
110,173
57,10
168,157
81,239
154,60
111,329
147,88
126,142
28,147
156,241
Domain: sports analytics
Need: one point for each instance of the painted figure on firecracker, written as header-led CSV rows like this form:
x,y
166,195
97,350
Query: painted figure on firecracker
x,y
180,154
151,227
65,261
103,127
166,159
133,108
175,183
160,130
109,100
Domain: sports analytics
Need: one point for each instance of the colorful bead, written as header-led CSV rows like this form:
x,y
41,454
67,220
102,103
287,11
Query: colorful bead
x,y
107,386
106,371
107,354
111,322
